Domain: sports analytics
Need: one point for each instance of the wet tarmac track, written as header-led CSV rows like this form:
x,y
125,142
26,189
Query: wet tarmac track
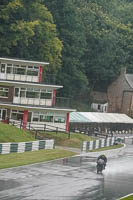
x,y
69,179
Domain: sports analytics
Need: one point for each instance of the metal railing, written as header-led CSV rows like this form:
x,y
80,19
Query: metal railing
x,y
47,78
37,128
61,102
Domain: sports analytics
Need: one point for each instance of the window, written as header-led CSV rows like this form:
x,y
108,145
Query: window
x,y
42,117
32,71
45,95
3,66
46,117
17,115
49,118
99,107
22,93
16,92
9,69
19,70
35,116
32,94
3,114
59,119
4,92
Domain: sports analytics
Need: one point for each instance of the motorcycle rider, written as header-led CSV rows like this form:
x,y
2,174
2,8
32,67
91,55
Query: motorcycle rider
x,y
104,158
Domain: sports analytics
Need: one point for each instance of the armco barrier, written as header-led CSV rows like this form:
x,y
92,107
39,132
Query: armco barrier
x,y
6,148
87,146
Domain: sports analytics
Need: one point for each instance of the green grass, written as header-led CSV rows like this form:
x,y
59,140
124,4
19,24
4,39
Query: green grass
x,y
19,159
108,148
9,133
61,139
127,198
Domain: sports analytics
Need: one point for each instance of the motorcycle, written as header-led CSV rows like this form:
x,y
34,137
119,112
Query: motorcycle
x,y
100,167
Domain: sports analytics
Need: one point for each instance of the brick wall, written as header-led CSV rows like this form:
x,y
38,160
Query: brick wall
x,y
120,95
10,94
98,97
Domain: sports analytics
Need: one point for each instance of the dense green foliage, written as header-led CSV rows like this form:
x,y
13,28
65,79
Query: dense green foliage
x,y
103,33
27,31
87,42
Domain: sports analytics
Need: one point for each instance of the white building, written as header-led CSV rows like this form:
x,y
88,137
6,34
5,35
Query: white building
x,y
23,96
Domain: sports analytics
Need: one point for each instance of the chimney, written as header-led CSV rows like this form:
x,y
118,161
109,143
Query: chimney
x,y
123,70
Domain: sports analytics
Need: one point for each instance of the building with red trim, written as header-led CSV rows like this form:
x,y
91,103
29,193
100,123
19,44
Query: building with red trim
x,y
24,97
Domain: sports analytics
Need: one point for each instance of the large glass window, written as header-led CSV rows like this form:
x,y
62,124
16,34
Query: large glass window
x,y
17,115
19,70
35,116
22,92
49,117
32,71
45,95
4,92
42,117
59,119
33,93
23,69
9,69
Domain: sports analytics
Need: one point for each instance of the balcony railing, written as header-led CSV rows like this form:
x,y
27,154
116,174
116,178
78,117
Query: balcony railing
x,y
60,102
47,78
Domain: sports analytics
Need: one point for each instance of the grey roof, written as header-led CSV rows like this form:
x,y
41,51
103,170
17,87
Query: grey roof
x,y
20,61
129,78
29,84
35,107
84,117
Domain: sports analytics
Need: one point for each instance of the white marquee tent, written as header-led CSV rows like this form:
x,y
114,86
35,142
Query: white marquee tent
x,y
96,117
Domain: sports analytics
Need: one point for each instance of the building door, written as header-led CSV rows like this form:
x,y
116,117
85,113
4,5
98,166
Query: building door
x,y
3,71
16,98
29,116
4,114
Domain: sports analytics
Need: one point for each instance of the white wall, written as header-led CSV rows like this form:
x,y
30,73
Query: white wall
x,y
103,107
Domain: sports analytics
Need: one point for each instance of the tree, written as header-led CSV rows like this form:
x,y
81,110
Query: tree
x,y
108,46
71,31
27,31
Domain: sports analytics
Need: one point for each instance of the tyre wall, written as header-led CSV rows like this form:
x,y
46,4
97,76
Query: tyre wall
x,y
6,148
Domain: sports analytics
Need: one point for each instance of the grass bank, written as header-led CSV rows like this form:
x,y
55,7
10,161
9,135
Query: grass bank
x,y
9,133
108,148
61,139
19,159
130,197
